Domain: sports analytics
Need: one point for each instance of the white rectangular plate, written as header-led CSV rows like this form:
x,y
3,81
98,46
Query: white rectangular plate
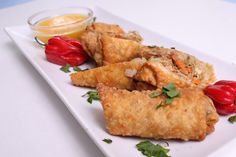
x,y
90,116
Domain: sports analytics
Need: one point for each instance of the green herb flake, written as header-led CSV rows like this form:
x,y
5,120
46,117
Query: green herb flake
x,y
170,86
232,119
173,93
159,105
108,141
65,68
92,95
76,69
151,150
154,94
169,91
169,100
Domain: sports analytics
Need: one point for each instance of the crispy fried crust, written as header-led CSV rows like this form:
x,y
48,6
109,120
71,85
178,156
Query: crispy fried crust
x,y
91,40
165,68
158,75
91,44
112,75
143,86
118,50
103,27
189,117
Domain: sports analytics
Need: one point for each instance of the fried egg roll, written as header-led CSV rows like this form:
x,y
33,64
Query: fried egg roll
x,y
174,66
113,75
117,50
91,39
191,116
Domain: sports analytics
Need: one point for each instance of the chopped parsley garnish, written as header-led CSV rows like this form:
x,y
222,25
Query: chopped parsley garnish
x,y
76,69
92,95
154,94
232,119
108,141
172,93
169,91
151,150
65,68
159,105
169,87
168,100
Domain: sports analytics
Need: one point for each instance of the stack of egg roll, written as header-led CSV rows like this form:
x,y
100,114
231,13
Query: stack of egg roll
x,y
128,71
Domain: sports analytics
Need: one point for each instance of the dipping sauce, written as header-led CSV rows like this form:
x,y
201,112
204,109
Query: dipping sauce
x,y
68,22
64,25
62,20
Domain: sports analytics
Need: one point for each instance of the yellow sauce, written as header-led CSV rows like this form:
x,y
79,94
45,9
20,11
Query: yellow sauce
x,y
65,25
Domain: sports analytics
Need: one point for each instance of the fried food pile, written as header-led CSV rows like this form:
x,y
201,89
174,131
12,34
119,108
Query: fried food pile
x,y
128,71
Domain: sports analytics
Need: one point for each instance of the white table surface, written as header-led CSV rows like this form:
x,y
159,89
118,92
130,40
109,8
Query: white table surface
x,y
33,120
